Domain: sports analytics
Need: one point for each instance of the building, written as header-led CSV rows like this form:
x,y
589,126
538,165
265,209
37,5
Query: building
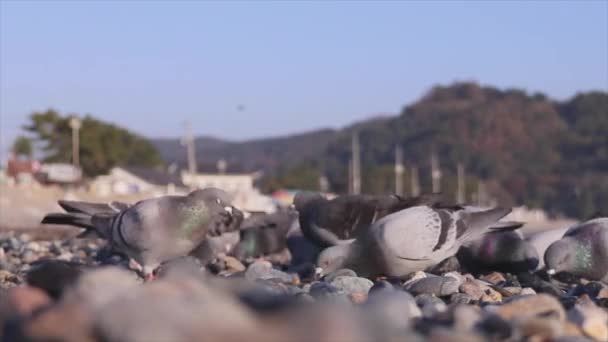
x,y
241,186
136,180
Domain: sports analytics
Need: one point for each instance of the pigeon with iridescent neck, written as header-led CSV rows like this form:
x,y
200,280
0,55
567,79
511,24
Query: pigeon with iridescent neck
x,y
582,251
158,229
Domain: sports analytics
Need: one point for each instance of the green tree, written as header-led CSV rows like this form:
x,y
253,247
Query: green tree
x,y
22,147
102,145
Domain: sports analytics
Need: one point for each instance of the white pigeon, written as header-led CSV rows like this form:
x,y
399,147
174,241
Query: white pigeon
x,y
412,240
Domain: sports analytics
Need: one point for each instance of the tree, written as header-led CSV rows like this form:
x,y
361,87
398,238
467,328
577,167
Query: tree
x,y
22,147
102,145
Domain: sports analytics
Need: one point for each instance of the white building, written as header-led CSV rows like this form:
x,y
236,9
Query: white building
x,y
135,180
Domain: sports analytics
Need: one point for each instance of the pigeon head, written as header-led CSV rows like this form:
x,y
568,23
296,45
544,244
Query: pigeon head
x,y
566,255
333,258
226,218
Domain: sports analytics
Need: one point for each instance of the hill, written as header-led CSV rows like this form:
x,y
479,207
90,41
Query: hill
x,y
527,148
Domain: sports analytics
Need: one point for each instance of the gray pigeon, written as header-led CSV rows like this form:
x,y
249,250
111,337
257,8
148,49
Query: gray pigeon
x,y
155,230
411,240
338,221
542,240
503,251
265,234
582,251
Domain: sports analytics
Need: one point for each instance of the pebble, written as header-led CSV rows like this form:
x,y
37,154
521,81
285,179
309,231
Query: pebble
x,y
392,310
430,305
352,285
531,306
435,285
264,270
592,320
339,273
494,278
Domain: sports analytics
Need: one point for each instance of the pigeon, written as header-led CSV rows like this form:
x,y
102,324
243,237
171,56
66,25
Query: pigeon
x,y
503,251
265,234
542,240
412,240
342,219
582,251
154,230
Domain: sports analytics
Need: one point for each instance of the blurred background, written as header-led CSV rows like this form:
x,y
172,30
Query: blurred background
x,y
497,102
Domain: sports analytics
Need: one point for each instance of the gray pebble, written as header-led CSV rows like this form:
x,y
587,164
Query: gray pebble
x,y
435,285
352,284
343,272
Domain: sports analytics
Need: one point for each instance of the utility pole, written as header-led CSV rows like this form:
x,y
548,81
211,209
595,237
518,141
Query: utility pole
x,y
356,165
481,193
435,172
190,148
398,170
75,124
415,182
460,192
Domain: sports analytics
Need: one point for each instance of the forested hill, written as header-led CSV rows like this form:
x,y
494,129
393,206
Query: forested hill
x,y
527,148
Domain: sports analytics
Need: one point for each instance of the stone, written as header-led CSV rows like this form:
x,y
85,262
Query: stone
x,y
8,277
435,285
592,320
522,307
541,329
323,290
25,299
339,273
380,287
95,288
441,334
53,276
465,317
391,310
603,294
232,264
264,270
491,296
527,291
358,297
430,305
461,298
351,285
33,246
473,289
494,278
178,310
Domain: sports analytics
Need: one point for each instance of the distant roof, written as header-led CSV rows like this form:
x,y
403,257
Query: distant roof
x,y
155,176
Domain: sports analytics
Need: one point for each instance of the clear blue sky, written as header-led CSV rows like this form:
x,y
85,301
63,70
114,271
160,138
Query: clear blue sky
x,y
294,66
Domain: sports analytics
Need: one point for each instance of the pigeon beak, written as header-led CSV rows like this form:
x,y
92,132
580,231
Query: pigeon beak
x,y
228,209
318,271
551,271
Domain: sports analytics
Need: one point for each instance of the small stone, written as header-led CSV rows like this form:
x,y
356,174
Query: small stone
x,y
527,291
339,273
352,285
473,288
513,290
29,257
324,290
603,294
450,264
65,256
491,296
430,305
33,246
435,285
358,297
381,286
26,299
391,310
441,334
461,298
592,320
465,317
494,278
264,270
233,264
541,329
531,306
6,276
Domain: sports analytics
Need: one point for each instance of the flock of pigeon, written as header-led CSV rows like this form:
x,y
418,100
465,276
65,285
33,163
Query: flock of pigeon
x,y
376,236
